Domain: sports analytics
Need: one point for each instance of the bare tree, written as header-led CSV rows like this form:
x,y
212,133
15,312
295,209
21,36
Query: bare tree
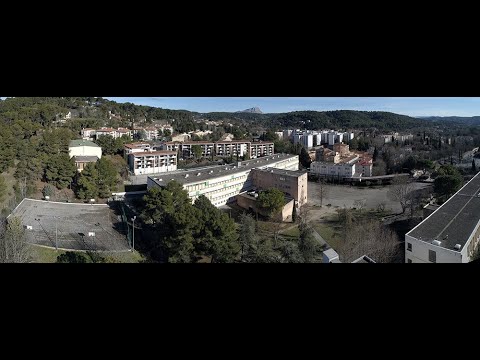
x,y
13,242
360,204
322,189
400,190
381,207
373,239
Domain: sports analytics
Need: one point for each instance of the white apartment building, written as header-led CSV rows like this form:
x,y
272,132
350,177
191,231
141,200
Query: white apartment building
x,y
115,133
232,148
450,234
172,146
364,167
207,147
152,162
329,169
259,149
136,148
331,136
220,184
88,133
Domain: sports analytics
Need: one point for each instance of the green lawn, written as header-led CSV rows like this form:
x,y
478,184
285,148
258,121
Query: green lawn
x,y
45,255
292,232
330,232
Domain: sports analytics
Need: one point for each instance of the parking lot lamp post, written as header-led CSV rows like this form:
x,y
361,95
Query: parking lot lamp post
x,y
133,233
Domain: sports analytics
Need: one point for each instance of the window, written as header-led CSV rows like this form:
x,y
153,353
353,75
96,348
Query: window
x,y
432,256
409,261
409,247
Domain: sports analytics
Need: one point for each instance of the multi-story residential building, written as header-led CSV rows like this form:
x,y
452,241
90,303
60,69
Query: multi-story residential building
x,y
221,184
451,234
287,134
115,133
172,146
136,148
152,162
207,147
364,167
232,148
279,135
293,183
329,169
260,148
84,152
331,136
88,133
222,148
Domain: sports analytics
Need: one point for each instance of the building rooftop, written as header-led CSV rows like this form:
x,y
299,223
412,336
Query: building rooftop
x,y
210,172
454,221
291,173
136,145
77,143
85,158
152,153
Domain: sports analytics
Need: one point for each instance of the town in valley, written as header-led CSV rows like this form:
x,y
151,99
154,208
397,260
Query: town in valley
x,y
93,180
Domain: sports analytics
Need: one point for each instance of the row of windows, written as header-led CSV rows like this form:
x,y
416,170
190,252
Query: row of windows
x,y
226,196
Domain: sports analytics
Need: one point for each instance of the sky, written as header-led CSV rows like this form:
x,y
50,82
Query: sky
x,y
412,106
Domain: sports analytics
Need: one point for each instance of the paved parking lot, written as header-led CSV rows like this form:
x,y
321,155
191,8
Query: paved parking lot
x,y
69,225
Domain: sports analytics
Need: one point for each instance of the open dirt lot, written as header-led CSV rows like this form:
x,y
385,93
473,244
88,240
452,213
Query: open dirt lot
x,y
345,195
73,222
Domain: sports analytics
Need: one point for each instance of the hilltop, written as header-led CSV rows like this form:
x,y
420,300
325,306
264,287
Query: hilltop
x,y
94,111
254,110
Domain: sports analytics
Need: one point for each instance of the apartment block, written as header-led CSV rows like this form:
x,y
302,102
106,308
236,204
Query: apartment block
x,y
208,148
152,162
260,148
232,148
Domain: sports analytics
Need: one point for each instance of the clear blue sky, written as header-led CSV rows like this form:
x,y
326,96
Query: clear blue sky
x,y
413,106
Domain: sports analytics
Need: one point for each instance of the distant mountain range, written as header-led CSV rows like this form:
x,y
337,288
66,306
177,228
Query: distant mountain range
x,y
254,110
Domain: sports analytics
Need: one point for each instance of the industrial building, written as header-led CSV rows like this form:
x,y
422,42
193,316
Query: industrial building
x,y
221,184
451,234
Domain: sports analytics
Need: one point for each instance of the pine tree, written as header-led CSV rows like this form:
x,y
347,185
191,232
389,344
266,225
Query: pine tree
x,y
87,182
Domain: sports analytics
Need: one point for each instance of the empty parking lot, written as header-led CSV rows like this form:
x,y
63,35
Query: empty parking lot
x,y
72,226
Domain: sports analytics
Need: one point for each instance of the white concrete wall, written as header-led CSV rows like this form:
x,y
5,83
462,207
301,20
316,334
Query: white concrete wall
x,y
155,169
85,151
331,169
419,253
